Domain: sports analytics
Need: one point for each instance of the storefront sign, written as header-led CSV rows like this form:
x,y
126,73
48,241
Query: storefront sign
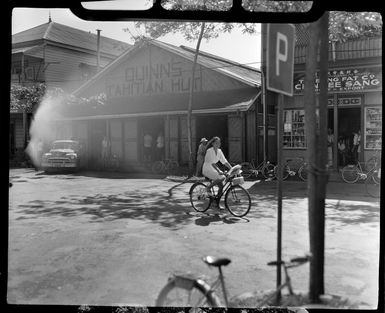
x,y
346,101
143,79
345,80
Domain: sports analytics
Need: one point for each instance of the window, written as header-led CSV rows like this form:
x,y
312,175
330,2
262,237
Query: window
x,y
294,129
373,127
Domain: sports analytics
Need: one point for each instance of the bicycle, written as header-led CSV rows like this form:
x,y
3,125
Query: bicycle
x,y
164,166
372,184
265,168
237,199
287,171
196,292
353,172
374,160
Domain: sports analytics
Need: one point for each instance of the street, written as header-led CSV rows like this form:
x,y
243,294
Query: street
x,y
98,239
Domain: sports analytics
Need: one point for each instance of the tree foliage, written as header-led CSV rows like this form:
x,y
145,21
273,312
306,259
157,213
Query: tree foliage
x,y
26,98
342,25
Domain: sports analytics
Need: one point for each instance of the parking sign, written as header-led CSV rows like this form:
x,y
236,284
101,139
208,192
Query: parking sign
x,y
280,58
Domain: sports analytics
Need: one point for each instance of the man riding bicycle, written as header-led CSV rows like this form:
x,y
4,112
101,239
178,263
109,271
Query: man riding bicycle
x,y
210,168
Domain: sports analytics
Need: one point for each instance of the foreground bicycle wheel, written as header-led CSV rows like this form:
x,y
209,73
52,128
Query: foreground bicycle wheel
x,y
237,201
350,174
198,197
187,292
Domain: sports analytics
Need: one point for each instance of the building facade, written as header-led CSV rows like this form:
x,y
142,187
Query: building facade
x,y
354,101
147,91
59,56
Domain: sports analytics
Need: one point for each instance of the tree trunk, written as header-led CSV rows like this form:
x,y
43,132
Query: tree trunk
x,y
311,138
190,101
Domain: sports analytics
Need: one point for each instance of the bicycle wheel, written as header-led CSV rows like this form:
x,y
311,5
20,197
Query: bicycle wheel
x,y
237,201
157,167
377,175
372,187
198,197
302,172
172,167
247,169
350,174
268,170
371,163
285,173
187,292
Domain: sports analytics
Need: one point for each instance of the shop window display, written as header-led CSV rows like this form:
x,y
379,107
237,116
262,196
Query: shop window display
x,y
294,129
373,127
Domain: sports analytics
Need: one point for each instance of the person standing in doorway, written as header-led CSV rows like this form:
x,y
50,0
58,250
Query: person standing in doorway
x,y
356,145
341,152
203,145
160,146
147,145
330,147
105,145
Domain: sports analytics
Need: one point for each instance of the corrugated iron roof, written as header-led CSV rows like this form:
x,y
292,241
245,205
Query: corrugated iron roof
x,y
235,70
70,36
227,67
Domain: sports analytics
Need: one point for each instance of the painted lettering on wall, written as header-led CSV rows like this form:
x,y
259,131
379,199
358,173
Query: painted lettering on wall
x,y
345,80
148,79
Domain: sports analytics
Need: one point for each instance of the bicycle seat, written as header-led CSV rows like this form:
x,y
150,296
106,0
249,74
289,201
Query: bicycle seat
x,y
275,263
212,261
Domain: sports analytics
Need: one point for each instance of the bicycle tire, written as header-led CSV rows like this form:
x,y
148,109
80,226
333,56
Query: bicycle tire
x,y
371,163
206,296
285,173
233,195
375,175
198,197
268,170
302,172
157,167
247,169
349,174
372,187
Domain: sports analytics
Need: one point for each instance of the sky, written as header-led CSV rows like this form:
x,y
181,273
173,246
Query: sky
x,y
238,47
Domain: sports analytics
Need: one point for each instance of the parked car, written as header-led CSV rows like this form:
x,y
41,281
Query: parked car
x,y
64,155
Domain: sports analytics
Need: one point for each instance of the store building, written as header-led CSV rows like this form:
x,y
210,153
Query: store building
x,y
58,56
147,91
355,99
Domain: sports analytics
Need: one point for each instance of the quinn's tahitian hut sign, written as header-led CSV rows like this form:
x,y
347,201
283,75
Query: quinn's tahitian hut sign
x,y
345,80
141,80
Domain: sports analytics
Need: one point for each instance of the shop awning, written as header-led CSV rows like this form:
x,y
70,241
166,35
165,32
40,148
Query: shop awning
x,y
208,102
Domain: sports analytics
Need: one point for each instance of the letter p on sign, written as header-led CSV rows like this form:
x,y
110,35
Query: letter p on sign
x,y
280,58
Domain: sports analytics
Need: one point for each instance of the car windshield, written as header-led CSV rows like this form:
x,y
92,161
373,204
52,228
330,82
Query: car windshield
x,y
65,145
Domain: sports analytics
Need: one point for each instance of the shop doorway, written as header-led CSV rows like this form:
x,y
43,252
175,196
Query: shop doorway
x,y
349,121
214,125
151,139
97,131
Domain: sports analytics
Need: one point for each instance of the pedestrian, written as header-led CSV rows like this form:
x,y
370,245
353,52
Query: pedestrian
x,y
210,168
160,146
330,147
356,145
341,151
147,147
203,145
105,145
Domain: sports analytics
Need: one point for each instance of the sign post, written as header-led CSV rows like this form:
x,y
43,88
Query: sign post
x,y
280,69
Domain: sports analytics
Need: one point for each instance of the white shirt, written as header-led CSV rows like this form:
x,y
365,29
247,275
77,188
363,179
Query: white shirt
x,y
212,158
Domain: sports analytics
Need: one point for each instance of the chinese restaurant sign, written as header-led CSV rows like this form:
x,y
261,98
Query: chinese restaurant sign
x,y
345,80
